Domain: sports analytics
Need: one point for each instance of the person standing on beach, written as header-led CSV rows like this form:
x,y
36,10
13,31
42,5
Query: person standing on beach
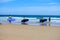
x,y
49,19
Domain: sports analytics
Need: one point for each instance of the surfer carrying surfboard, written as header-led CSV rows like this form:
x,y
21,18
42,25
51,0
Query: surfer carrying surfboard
x,y
10,19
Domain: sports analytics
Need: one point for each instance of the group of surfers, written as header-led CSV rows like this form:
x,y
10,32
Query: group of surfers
x,y
42,20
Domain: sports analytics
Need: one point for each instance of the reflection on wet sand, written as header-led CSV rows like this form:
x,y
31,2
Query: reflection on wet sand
x,y
43,24
46,24
24,23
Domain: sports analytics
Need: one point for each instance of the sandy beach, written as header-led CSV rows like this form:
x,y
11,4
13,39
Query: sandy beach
x,y
26,32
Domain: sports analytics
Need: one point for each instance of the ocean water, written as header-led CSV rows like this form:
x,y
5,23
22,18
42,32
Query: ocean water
x,y
33,20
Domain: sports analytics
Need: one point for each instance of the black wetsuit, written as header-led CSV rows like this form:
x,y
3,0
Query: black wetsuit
x,y
49,19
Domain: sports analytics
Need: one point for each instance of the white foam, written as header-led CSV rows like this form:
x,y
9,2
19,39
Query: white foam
x,y
18,19
55,19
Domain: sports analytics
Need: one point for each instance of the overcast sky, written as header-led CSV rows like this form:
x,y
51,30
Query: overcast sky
x,y
30,7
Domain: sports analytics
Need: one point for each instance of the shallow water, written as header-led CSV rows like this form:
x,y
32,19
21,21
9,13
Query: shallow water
x,y
32,21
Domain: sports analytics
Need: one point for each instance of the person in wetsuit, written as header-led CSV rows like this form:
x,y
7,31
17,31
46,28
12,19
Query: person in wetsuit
x,y
49,19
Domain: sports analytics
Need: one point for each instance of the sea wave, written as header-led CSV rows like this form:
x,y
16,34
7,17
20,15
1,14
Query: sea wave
x,y
18,19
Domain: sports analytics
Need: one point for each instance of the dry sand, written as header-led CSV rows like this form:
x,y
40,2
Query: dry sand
x,y
25,32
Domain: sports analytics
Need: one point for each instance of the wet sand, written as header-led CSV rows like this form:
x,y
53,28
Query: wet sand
x,y
26,32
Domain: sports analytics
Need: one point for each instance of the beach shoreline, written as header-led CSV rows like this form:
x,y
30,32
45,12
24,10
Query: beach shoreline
x,y
27,32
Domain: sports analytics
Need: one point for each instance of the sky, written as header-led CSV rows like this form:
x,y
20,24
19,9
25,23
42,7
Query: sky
x,y
29,7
